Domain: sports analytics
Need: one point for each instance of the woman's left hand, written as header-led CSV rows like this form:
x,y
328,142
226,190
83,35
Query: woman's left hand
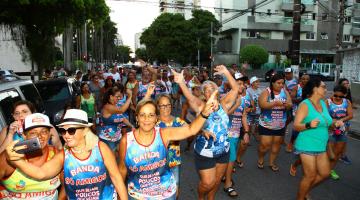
x,y
211,105
220,69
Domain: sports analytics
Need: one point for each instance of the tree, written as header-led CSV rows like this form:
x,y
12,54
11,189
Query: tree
x,y
169,37
123,53
141,53
34,24
201,24
254,55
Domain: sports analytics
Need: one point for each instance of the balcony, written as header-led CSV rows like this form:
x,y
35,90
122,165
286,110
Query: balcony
x,y
278,23
288,5
355,29
356,10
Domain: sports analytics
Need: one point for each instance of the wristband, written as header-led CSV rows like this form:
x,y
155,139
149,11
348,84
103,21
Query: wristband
x,y
308,125
203,116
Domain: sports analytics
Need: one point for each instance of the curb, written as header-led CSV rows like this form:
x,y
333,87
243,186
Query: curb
x,y
355,133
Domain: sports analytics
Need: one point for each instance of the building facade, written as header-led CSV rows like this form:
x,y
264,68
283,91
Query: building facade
x,y
183,7
269,24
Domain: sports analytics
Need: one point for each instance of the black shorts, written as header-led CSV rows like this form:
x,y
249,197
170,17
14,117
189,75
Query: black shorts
x,y
270,132
202,162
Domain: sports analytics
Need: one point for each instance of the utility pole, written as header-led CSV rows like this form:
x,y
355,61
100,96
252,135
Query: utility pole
x,y
295,46
339,38
211,50
198,51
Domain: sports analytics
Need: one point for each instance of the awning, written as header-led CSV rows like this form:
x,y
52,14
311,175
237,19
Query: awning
x,y
317,51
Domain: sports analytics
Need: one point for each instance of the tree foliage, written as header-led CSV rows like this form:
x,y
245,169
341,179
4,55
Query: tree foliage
x,y
123,53
35,23
171,37
141,53
254,55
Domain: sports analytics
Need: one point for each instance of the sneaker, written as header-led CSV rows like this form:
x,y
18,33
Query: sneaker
x,y
292,170
345,160
334,175
289,147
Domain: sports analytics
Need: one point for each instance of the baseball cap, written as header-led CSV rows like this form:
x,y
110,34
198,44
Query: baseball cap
x,y
36,120
288,70
253,79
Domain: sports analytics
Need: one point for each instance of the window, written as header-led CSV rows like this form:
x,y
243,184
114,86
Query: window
x,y
346,38
324,17
347,19
7,100
32,95
314,16
288,14
324,36
55,91
251,34
310,35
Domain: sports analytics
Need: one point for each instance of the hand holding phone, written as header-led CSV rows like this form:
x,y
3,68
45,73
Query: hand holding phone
x,y
32,145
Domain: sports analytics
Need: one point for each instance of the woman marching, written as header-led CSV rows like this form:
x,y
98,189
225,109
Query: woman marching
x,y
143,151
340,109
211,150
88,164
86,101
313,120
274,102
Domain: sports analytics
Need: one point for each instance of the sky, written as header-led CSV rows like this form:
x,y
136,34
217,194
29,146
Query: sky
x,y
132,16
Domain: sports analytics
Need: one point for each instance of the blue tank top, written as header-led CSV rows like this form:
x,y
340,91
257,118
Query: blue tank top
x,y
110,128
247,99
217,123
275,118
119,104
88,178
148,175
339,111
142,91
297,96
290,84
235,120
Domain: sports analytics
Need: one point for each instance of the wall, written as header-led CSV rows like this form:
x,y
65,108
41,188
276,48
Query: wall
x,y
351,70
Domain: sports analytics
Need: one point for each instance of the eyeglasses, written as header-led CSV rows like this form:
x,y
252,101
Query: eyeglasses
x,y
323,86
149,116
165,106
338,96
71,130
34,134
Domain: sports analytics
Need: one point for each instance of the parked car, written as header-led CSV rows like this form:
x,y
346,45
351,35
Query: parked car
x,y
14,90
8,75
271,73
56,93
313,74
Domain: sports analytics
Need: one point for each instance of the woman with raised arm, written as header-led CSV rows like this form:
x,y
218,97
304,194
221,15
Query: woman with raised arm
x,y
89,166
143,151
274,102
313,120
212,148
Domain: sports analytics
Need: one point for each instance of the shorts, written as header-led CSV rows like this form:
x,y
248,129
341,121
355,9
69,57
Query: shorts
x,y
112,145
173,197
176,172
338,138
310,153
234,143
253,119
270,132
202,162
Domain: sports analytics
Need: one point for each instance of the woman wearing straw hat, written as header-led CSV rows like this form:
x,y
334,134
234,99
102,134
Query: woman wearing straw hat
x,y
16,185
143,151
87,163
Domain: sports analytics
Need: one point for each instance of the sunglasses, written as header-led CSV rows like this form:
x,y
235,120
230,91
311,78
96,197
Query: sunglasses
x,y
337,96
71,130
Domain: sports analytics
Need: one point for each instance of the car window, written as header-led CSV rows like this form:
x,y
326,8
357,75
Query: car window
x,y
7,100
54,91
32,95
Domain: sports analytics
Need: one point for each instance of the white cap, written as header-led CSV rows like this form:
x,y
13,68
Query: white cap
x,y
253,79
238,75
36,120
76,117
288,70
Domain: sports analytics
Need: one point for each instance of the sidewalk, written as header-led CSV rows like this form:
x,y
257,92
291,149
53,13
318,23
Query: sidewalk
x,y
355,122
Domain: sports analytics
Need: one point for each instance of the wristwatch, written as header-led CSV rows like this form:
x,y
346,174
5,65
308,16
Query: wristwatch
x,y
308,125
204,116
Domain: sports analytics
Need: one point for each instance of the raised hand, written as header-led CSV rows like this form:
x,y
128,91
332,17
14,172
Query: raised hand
x,y
178,77
212,104
220,70
150,90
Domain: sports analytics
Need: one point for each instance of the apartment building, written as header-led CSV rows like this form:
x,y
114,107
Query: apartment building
x,y
269,23
183,7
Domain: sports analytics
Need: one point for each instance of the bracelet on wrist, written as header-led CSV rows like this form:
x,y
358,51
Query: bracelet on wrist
x,y
308,125
204,116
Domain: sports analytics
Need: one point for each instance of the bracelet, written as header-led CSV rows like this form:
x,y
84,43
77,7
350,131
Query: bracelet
x,y
308,125
203,116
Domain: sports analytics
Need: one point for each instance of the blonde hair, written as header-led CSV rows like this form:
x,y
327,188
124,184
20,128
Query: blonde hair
x,y
208,83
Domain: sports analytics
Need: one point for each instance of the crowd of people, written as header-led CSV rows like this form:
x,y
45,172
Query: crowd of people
x,y
121,137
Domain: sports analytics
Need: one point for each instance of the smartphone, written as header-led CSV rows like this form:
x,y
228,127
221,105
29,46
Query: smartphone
x,y
32,145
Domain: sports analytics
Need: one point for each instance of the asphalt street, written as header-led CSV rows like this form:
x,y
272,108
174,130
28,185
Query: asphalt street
x,y
252,183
